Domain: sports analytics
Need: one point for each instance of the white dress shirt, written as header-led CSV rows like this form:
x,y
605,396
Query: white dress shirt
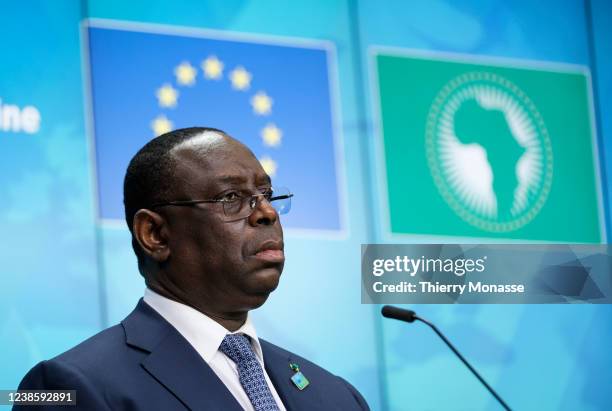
x,y
205,336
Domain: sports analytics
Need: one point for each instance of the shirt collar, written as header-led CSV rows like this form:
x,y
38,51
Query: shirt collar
x,y
201,331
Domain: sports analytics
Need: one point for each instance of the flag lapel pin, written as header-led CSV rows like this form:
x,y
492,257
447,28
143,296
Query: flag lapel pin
x,y
298,379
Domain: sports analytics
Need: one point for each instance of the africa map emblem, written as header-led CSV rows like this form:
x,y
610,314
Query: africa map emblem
x,y
489,151
476,147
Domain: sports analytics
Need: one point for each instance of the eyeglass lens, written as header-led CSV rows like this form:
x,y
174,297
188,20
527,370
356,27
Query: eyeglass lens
x,y
279,198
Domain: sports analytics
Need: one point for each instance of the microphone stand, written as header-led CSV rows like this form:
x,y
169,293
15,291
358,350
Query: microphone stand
x,y
410,316
464,361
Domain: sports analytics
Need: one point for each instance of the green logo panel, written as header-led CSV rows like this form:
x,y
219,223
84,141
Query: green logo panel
x,y
475,150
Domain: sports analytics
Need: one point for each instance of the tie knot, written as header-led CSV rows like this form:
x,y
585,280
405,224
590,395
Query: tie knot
x,y
237,347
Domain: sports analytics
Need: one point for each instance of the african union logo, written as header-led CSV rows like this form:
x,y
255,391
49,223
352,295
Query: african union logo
x,y
489,151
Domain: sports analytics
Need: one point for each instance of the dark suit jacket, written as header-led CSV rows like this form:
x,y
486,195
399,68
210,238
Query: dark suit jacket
x,y
145,364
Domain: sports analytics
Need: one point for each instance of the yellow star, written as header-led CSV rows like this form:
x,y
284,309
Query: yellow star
x,y
268,165
213,68
271,135
262,103
167,95
240,78
161,125
185,74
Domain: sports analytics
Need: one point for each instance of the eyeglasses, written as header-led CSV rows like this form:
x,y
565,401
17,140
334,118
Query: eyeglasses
x,y
238,205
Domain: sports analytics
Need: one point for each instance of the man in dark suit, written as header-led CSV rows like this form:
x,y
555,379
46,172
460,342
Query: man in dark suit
x,y
205,228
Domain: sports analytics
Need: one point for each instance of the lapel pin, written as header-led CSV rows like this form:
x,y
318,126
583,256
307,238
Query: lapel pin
x,y
298,379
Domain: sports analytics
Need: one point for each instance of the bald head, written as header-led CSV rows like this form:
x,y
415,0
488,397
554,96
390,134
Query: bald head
x,y
207,145
204,142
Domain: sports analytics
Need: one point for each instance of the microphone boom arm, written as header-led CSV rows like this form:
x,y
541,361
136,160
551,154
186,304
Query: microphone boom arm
x,y
464,361
410,316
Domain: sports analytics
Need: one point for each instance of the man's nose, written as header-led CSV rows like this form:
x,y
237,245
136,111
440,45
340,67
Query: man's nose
x,y
263,213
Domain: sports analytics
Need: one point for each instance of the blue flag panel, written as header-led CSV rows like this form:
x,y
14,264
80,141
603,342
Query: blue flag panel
x,y
275,98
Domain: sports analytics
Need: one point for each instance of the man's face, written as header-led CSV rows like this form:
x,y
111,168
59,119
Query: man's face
x,y
220,263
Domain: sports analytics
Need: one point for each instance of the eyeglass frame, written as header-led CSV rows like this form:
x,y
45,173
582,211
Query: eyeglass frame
x,y
252,205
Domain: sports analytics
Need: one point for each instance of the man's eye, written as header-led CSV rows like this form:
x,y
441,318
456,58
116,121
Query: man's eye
x,y
267,192
230,197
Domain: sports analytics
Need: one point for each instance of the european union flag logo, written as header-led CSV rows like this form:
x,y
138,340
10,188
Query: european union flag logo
x,y
274,97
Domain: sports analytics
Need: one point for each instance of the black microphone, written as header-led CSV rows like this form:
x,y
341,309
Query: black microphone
x,y
397,313
410,316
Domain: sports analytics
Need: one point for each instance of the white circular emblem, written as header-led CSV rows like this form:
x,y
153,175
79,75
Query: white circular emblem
x,y
489,152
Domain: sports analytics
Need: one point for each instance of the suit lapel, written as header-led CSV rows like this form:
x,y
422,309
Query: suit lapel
x,y
277,366
174,363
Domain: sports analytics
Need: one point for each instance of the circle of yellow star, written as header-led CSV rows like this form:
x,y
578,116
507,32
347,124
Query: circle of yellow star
x,y
167,96
271,135
262,103
268,165
240,78
161,125
213,68
185,74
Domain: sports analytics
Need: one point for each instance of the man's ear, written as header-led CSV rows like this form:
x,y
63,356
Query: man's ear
x,y
150,231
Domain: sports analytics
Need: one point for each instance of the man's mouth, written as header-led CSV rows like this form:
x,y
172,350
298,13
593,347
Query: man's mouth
x,y
271,251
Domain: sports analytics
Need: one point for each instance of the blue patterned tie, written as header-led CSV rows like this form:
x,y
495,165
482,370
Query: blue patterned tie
x,y
251,376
